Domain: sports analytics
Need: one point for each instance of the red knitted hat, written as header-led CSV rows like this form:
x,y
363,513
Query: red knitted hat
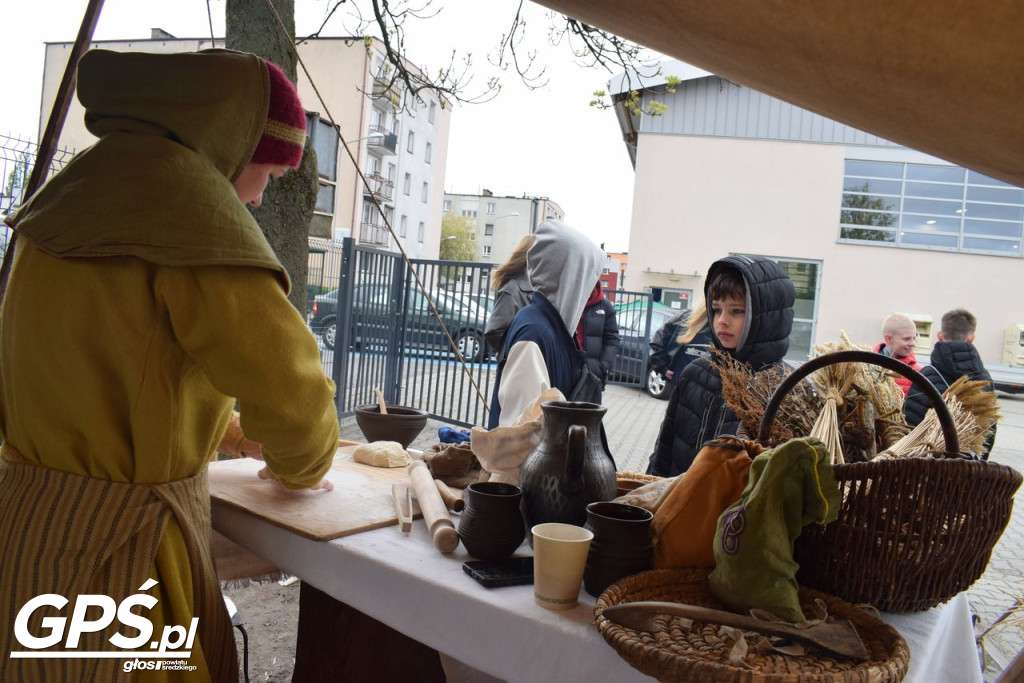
x,y
284,134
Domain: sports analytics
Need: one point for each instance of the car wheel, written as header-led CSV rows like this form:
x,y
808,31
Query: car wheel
x,y
657,385
329,333
470,345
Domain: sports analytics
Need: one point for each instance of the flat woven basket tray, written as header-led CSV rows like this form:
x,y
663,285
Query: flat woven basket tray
x,y
698,652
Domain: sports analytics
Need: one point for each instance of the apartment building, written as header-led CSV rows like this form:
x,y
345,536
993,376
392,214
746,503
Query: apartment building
x,y
864,226
401,151
501,221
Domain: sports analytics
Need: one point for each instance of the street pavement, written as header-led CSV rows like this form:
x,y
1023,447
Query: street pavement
x,y
632,423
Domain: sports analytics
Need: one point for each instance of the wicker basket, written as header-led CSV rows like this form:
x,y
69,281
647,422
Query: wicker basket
x,y
912,532
699,652
627,481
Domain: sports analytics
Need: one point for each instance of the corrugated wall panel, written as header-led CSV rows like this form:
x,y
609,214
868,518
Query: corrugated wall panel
x,y
717,108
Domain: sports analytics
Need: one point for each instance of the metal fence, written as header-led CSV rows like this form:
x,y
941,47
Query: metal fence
x,y
377,329
17,156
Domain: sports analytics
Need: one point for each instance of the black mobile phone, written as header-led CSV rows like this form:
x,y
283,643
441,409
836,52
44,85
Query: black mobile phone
x,y
514,571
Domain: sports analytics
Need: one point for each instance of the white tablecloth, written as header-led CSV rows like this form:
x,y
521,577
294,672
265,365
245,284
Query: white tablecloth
x,y
404,582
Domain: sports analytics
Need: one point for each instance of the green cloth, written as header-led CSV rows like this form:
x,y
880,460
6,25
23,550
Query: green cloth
x,y
789,487
157,185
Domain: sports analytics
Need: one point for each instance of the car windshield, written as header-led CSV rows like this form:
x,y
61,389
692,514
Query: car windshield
x,y
632,321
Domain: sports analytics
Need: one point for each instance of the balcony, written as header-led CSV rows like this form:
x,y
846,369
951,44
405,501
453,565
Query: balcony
x,y
384,88
379,186
387,143
372,233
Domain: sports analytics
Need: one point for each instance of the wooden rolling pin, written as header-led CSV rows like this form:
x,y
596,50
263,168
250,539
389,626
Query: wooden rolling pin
x,y
452,500
439,524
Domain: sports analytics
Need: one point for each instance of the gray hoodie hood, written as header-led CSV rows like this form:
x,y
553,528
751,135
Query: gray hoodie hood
x,y
564,266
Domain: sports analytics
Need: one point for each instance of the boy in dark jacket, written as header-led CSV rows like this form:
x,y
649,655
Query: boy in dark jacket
x,y
953,357
750,312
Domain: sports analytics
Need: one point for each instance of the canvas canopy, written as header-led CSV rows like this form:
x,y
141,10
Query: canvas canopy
x,y
944,77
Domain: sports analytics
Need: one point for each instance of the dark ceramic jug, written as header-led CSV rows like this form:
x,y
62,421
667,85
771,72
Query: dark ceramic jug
x,y
570,467
491,526
621,547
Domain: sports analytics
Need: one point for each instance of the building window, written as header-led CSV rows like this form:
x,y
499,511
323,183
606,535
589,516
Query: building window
x,y
403,226
426,192
805,276
491,208
421,232
324,139
447,205
487,251
469,212
427,153
410,146
488,229
432,113
930,207
407,184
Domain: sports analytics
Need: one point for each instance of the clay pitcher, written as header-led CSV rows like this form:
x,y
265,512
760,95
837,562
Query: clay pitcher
x,y
570,467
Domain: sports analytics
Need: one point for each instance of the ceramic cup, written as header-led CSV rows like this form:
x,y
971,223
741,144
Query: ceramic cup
x,y
491,525
622,544
559,556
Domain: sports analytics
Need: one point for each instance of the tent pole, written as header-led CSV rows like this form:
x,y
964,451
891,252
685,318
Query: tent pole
x,y
48,144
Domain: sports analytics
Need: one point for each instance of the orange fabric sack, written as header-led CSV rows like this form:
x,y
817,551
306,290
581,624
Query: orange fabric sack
x,y
685,523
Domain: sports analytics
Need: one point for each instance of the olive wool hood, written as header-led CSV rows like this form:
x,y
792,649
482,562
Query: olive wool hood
x,y
175,130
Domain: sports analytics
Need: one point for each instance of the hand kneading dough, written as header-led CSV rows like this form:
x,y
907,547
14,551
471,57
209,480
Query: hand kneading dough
x,y
382,454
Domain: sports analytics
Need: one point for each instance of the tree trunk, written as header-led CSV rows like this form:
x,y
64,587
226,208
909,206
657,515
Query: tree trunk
x,y
288,202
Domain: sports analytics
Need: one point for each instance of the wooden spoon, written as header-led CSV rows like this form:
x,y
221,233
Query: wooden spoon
x,y
380,401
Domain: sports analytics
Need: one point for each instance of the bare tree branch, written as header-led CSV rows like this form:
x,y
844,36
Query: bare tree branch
x,y
401,82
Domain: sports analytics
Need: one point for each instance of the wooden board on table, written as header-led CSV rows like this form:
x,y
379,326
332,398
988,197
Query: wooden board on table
x,y
361,500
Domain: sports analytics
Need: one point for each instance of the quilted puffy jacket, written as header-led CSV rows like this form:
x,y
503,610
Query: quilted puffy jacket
x,y
949,362
696,411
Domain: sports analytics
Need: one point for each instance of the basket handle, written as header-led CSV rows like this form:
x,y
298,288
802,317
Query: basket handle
x,y
887,362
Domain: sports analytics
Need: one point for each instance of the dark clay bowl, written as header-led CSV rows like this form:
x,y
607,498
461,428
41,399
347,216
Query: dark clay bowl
x,y
400,424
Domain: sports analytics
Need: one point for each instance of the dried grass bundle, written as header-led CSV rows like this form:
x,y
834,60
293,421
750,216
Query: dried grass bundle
x,y
854,394
974,411
747,394
826,428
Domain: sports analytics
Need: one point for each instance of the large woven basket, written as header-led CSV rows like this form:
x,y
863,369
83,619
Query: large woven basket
x,y
912,532
700,652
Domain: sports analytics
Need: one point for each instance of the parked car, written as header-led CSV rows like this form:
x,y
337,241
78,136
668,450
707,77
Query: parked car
x,y
634,342
374,319
484,301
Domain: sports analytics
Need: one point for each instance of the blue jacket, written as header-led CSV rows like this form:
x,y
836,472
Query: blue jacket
x,y
540,323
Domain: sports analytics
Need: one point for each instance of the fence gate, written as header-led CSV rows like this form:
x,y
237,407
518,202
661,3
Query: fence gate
x,y
377,329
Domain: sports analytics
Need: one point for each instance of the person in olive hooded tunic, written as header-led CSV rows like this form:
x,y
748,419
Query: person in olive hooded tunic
x,y
164,305
697,412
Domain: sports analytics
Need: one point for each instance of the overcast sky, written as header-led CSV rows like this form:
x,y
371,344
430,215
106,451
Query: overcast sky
x,y
546,142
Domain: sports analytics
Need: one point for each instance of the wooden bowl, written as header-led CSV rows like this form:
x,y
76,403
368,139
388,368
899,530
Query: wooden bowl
x,y
400,424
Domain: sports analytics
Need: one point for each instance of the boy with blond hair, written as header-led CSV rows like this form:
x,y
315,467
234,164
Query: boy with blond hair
x,y
899,334
953,357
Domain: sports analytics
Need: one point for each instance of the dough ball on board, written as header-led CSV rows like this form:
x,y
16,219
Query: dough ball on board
x,y
382,454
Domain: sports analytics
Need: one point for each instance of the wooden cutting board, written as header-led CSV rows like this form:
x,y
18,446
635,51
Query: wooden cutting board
x,y
361,499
